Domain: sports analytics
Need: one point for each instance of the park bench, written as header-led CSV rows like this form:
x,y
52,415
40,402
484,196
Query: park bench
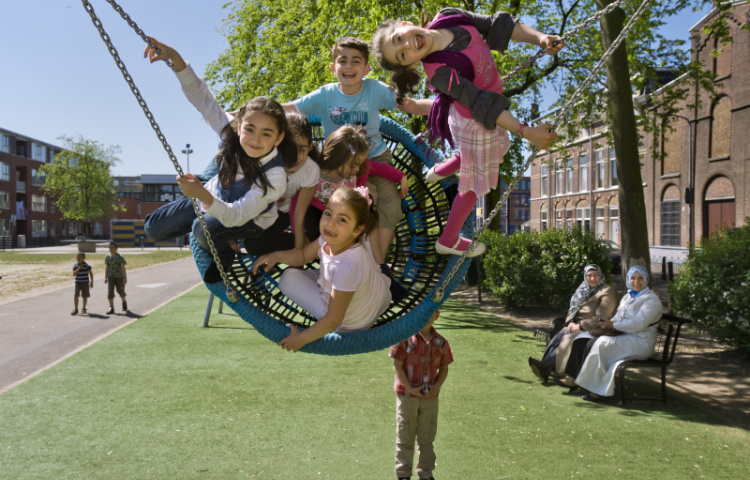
x,y
666,341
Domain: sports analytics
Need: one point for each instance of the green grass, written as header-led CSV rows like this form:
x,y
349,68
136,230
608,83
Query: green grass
x,y
164,398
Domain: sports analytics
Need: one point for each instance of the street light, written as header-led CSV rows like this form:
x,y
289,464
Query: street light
x,y
187,152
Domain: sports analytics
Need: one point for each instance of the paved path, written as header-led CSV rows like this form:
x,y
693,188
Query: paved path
x,y
39,332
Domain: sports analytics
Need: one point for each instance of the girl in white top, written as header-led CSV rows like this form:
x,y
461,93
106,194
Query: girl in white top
x,y
349,291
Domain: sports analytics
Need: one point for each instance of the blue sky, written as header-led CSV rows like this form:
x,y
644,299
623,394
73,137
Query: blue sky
x,y
57,78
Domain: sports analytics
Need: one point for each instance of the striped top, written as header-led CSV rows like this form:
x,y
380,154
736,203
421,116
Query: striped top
x,y
83,275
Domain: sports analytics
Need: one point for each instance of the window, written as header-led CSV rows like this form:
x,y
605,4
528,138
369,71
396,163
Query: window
x,y
4,200
38,203
4,143
559,218
670,223
37,178
614,223
613,182
583,218
583,172
569,176
544,180
601,169
4,172
4,227
98,229
52,229
38,152
524,184
38,228
543,219
569,219
559,177
600,221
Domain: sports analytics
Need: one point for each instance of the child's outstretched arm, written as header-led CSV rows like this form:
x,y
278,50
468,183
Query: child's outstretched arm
x,y
416,106
167,53
337,306
526,34
295,257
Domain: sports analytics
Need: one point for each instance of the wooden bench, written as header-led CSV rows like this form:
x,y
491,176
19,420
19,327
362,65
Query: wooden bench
x,y
666,342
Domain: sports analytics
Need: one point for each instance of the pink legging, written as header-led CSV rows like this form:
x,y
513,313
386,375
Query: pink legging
x,y
462,207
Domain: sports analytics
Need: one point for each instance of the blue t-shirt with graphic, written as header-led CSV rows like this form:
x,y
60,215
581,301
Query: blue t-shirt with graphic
x,y
361,110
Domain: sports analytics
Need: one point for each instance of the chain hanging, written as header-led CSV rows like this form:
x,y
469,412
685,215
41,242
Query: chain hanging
x,y
570,33
231,292
567,106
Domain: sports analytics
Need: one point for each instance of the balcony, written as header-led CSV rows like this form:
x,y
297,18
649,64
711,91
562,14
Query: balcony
x,y
20,186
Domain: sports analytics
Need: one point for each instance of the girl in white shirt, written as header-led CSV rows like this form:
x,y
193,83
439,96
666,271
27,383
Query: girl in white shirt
x,y
349,292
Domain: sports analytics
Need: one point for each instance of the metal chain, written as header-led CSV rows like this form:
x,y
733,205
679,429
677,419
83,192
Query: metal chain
x,y
570,33
440,291
231,293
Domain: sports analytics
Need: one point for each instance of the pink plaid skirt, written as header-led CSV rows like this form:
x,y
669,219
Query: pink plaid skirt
x,y
481,151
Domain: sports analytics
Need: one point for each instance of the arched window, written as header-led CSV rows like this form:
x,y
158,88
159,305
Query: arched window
x,y
543,218
670,216
721,128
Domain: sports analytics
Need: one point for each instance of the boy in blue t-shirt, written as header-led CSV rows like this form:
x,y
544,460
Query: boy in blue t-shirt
x,y
357,101
84,278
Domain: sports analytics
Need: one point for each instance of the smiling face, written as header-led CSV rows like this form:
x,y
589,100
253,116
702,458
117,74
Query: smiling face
x,y
637,282
259,134
407,44
592,278
350,67
338,226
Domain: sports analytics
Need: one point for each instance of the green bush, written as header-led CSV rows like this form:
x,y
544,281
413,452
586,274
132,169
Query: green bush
x,y
713,287
540,269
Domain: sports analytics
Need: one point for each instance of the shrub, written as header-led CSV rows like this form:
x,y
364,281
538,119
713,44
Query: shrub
x,y
540,269
713,287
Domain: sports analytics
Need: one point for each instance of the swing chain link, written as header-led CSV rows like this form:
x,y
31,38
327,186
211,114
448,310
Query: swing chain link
x,y
231,293
440,291
570,33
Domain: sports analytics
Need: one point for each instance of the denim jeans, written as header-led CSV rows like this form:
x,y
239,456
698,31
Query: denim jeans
x,y
178,218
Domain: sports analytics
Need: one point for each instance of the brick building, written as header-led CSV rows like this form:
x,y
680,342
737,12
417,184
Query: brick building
x,y
700,182
515,212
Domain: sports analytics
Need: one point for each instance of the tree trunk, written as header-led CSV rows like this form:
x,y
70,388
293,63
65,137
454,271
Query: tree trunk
x,y
633,223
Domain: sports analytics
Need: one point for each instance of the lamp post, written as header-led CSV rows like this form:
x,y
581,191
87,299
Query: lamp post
x,y
690,190
187,152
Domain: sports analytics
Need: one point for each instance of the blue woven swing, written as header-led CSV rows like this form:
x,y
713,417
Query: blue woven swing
x,y
412,259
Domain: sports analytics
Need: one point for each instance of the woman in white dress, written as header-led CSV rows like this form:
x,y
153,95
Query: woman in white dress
x,y
629,335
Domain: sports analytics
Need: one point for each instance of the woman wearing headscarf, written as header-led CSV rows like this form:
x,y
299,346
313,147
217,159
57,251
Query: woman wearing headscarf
x,y
592,302
634,334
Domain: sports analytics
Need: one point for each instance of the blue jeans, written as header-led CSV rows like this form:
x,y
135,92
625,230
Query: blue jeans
x,y
178,218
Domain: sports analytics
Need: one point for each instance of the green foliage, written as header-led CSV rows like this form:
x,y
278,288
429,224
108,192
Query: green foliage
x,y
540,269
79,179
713,287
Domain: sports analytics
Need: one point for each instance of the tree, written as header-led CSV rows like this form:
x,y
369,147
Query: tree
x,y
78,179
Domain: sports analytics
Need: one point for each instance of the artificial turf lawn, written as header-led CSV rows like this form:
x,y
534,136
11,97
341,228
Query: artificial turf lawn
x,y
166,399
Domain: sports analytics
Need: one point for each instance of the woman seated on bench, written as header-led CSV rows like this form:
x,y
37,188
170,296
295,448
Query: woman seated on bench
x,y
591,303
630,335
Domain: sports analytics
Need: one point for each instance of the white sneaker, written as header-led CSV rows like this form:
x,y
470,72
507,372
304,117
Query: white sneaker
x,y
475,249
432,177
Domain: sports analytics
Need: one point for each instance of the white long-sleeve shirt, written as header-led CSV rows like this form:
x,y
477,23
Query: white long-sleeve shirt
x,y
250,206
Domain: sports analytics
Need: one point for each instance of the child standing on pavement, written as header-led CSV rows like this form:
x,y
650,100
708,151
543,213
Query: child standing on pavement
x,y
421,367
84,278
116,276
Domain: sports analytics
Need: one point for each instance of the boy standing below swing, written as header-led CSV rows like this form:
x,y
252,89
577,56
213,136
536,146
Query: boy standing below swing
x,y
421,367
116,276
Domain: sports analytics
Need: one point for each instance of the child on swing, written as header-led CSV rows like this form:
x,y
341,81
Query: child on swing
x,y
349,291
238,202
455,51
344,163
302,181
